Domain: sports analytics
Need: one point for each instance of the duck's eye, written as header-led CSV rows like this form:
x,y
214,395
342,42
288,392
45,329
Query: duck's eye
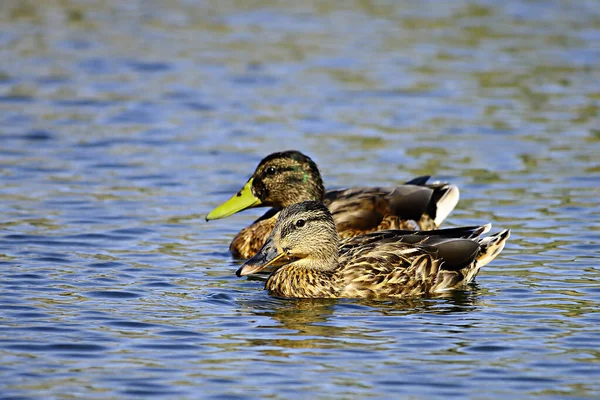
x,y
300,223
271,170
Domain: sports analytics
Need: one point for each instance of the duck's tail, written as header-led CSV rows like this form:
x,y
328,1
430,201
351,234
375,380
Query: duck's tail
x,y
463,258
489,248
443,199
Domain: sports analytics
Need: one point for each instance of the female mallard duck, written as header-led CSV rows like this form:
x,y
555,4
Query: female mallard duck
x,y
282,179
380,264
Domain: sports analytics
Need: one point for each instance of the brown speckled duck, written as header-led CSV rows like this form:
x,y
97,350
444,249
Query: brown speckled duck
x,y
284,178
386,264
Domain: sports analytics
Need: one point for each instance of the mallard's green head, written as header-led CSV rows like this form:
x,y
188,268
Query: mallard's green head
x,y
280,180
304,233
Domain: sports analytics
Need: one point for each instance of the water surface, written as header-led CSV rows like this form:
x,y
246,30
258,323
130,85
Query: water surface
x,y
122,125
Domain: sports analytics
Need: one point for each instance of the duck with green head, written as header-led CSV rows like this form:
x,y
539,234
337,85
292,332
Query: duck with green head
x,y
386,264
285,178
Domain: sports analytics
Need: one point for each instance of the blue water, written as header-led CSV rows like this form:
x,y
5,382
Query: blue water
x,y
122,125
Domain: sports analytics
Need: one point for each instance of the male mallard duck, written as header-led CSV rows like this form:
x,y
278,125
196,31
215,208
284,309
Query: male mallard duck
x,y
381,264
282,179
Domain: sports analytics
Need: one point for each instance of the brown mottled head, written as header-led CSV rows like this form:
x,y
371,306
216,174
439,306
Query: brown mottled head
x,y
305,234
288,177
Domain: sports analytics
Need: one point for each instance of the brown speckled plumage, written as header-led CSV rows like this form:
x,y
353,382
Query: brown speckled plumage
x,y
282,179
250,239
392,264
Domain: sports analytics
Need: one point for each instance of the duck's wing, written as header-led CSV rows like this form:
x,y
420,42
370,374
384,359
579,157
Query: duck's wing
x,y
388,269
419,181
401,268
362,210
413,237
389,255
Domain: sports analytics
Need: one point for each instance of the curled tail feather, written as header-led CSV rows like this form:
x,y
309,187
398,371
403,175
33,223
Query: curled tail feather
x,y
485,250
490,247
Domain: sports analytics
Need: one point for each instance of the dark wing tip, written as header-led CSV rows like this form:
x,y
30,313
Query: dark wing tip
x,y
420,180
457,253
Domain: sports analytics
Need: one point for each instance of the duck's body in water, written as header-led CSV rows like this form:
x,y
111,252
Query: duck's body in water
x,y
378,265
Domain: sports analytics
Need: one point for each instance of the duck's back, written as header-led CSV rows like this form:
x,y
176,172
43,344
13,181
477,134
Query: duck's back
x,y
388,269
389,264
362,210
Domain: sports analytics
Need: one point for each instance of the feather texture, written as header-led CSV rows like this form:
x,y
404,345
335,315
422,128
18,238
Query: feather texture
x,y
282,179
392,263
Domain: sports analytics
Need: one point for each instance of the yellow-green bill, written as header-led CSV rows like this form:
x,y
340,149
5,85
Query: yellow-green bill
x,y
238,202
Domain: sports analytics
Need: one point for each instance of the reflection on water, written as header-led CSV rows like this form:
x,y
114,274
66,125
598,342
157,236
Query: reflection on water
x,y
122,124
313,318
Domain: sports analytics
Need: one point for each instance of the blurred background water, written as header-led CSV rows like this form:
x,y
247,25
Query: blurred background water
x,y
123,123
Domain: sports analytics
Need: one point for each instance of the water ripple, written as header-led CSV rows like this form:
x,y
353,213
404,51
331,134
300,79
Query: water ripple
x,y
123,126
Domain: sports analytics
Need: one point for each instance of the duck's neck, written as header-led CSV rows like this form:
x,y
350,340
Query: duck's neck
x,y
302,279
311,192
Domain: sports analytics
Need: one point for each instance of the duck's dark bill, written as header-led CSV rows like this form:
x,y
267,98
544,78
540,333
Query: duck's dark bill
x,y
267,255
238,202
